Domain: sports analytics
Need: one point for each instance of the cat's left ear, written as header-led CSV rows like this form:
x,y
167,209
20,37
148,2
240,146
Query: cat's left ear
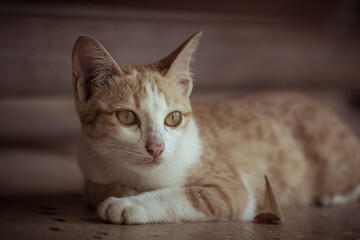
x,y
92,67
177,64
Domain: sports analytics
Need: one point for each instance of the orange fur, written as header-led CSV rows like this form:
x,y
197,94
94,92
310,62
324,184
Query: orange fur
x,y
306,150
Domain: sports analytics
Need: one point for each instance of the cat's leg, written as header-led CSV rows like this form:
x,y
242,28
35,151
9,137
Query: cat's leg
x,y
339,199
193,203
95,193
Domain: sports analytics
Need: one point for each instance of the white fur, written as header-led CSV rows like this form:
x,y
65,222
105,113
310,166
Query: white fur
x,y
249,212
164,205
154,110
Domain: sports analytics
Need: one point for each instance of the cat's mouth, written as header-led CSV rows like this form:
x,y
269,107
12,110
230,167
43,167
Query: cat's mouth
x,y
151,162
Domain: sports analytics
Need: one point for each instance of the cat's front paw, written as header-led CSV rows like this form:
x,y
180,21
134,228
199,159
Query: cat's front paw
x,y
121,211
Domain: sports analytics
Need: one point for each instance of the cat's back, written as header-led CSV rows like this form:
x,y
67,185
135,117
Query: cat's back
x,y
292,134
241,113
301,115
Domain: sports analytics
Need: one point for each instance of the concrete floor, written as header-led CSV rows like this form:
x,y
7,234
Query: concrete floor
x,y
64,216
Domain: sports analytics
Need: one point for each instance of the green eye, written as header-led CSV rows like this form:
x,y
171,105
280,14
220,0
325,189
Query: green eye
x,y
126,117
173,119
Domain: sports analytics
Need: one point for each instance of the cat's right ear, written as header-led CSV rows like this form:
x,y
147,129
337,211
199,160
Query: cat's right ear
x,y
92,66
177,64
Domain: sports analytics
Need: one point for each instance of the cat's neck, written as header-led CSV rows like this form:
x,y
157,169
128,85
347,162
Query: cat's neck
x,y
173,172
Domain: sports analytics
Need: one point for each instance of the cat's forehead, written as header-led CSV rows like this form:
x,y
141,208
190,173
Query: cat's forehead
x,y
148,86
139,86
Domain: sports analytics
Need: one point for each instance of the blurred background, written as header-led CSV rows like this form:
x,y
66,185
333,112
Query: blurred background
x,y
247,46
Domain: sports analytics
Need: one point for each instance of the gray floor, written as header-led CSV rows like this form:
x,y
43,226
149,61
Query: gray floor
x,y
64,216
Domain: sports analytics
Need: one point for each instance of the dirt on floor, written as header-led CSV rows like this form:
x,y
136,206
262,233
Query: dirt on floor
x,y
64,216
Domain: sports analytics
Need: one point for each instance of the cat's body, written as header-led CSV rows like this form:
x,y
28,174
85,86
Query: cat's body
x,y
210,165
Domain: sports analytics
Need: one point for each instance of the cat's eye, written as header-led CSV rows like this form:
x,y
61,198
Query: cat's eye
x,y
173,119
126,117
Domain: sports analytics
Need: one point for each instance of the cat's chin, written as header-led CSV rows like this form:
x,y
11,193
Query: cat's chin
x,y
148,164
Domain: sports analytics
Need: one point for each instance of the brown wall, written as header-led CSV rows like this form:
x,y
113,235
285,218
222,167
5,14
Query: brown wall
x,y
278,45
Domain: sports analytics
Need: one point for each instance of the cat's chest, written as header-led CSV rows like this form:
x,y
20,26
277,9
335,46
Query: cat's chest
x,y
169,175
159,178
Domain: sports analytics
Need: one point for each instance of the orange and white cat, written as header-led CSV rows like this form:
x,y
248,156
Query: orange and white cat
x,y
150,155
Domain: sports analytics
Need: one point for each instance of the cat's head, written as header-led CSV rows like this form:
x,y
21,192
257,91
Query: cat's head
x,y
136,114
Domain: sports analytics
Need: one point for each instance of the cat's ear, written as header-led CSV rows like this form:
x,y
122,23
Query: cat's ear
x,y
177,64
92,67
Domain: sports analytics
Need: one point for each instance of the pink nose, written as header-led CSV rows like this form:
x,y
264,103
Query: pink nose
x,y
155,149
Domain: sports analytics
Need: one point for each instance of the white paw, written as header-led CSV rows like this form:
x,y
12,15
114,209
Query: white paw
x,y
329,201
121,211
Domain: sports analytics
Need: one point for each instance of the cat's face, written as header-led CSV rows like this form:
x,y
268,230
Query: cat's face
x,y
139,118
136,114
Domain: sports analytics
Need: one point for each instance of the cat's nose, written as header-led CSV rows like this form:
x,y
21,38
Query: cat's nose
x,y
155,149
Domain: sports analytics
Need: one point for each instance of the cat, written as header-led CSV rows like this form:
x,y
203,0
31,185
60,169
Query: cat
x,y
150,155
